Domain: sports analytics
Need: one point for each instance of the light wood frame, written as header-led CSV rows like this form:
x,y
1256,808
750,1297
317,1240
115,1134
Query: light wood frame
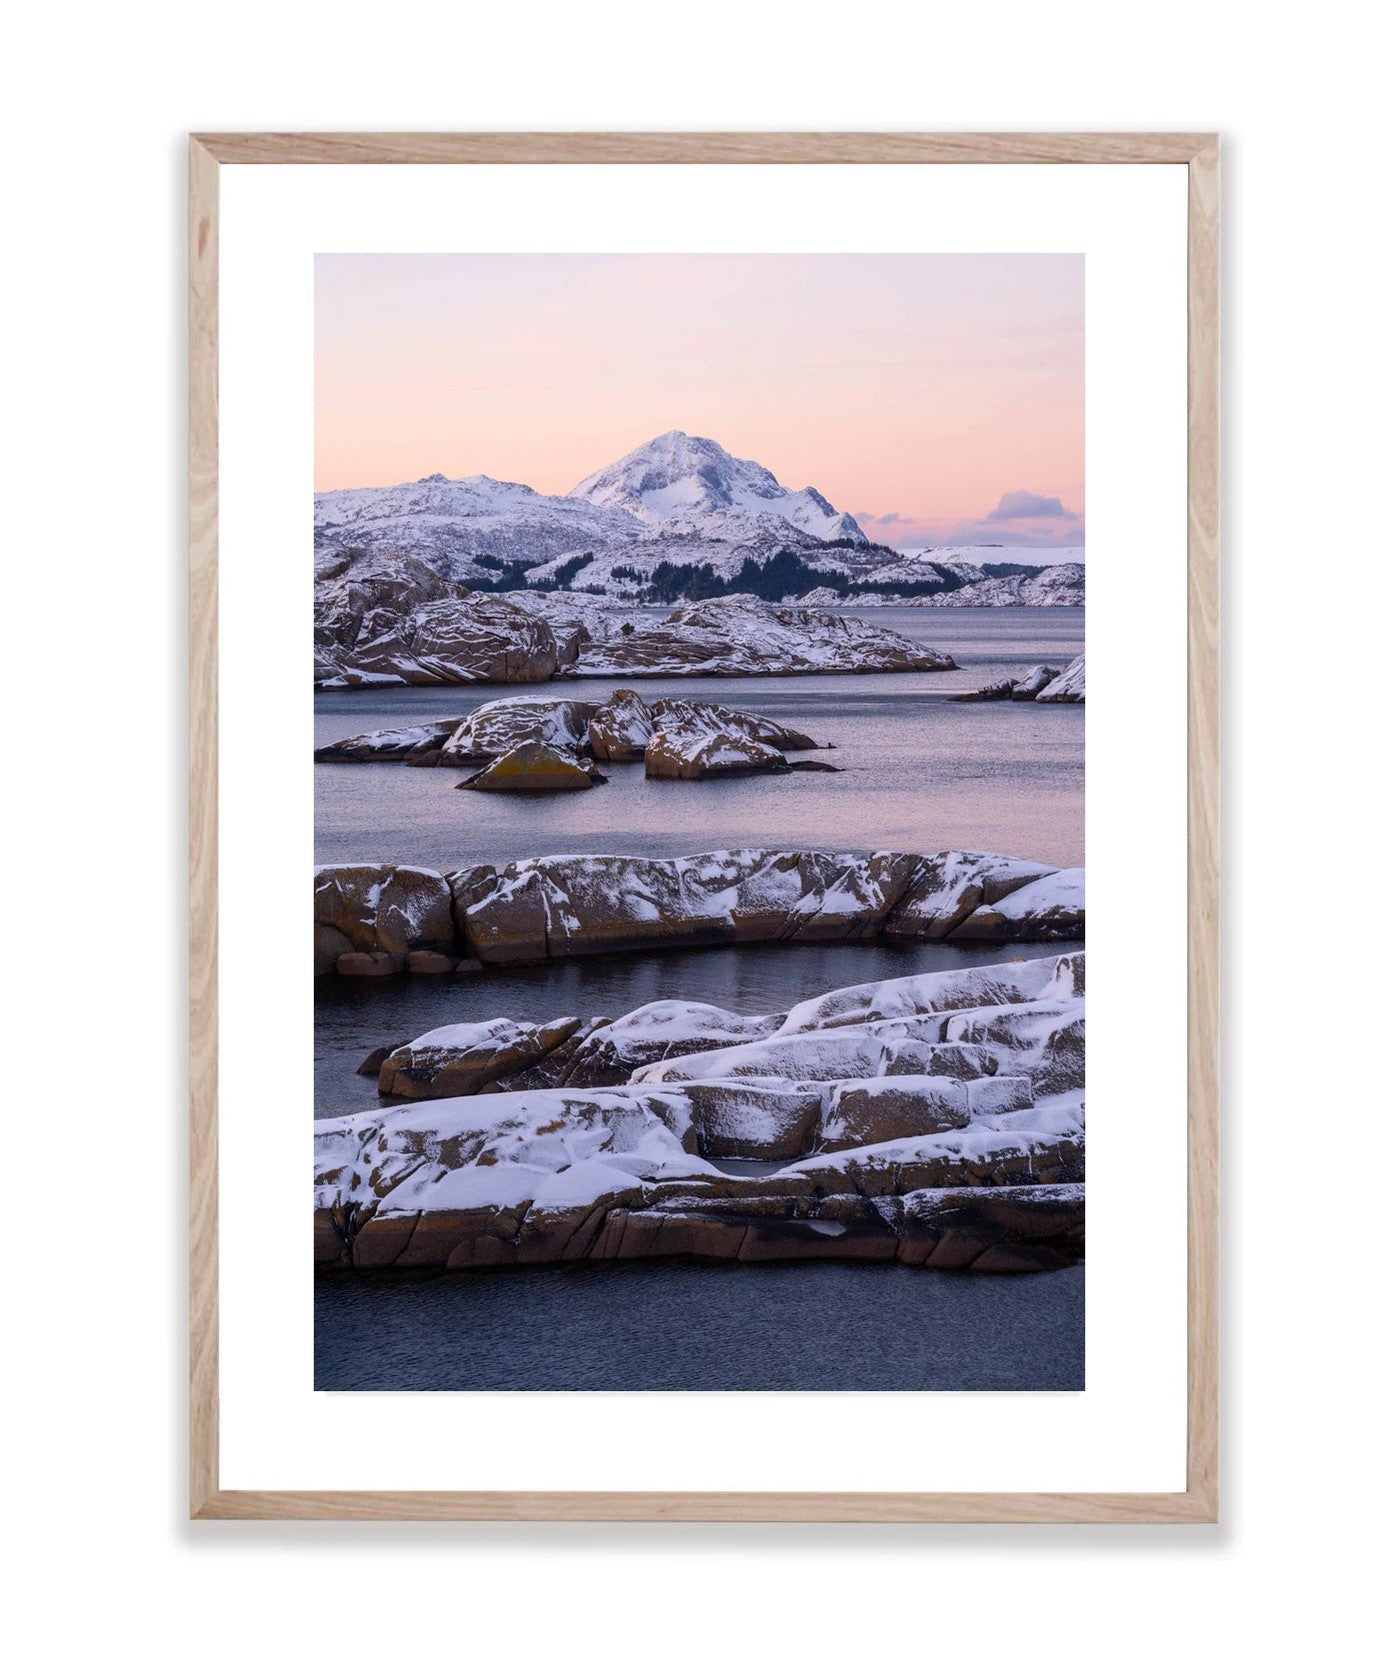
x,y
1200,153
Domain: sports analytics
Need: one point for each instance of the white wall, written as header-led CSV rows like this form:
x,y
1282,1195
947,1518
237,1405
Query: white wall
x,y
100,99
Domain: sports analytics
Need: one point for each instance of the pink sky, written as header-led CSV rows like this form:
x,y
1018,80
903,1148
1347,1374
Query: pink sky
x,y
925,394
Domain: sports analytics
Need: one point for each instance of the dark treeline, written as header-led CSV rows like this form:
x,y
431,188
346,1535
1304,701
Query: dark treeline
x,y
775,577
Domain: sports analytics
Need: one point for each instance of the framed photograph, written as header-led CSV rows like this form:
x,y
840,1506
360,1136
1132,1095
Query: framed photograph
x,y
639,586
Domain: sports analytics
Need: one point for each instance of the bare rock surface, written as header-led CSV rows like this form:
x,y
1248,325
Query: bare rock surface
x,y
534,767
739,635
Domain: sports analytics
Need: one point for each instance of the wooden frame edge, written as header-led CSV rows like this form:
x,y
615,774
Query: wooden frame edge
x,y
1172,1508
701,147
1199,1502
203,826
1202,799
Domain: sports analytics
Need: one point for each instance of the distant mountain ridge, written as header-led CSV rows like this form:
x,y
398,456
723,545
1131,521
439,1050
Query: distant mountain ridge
x,y
679,518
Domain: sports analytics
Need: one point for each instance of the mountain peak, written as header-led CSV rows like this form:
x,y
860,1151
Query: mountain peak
x,y
685,483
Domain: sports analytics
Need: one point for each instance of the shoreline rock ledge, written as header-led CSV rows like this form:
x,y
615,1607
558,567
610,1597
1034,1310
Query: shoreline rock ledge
x,y
935,1120
387,621
374,920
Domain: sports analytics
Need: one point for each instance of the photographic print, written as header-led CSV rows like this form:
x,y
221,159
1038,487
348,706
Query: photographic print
x,y
699,687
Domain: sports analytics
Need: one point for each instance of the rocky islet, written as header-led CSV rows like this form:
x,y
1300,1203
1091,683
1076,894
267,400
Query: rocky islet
x,y
537,745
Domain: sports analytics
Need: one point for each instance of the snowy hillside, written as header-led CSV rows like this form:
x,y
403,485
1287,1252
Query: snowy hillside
x,y
450,521
691,485
984,560
1055,585
625,570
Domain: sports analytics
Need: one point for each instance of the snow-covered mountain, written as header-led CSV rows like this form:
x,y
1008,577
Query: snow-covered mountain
x,y
693,486
450,521
678,518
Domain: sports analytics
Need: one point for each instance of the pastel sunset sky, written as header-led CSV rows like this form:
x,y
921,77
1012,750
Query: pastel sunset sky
x,y
938,398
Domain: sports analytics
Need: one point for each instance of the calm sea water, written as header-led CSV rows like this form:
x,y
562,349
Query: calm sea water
x,y
679,1324
921,774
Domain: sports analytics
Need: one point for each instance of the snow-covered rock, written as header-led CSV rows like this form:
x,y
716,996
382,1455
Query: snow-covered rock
x,y
546,908
739,635
947,886
709,757
1044,682
472,1056
658,1031
948,577
879,1110
541,909
754,1119
1048,907
938,994
1033,682
1056,585
1044,1039
413,743
501,725
619,729
693,485
573,617
922,1168
392,621
1066,688
371,908
701,717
